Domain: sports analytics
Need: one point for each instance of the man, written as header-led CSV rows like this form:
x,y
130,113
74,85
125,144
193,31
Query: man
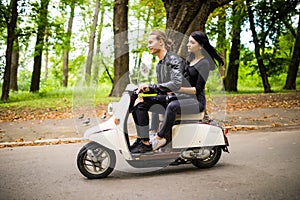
x,y
169,79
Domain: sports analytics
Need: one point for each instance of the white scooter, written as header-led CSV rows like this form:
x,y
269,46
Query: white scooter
x,y
193,139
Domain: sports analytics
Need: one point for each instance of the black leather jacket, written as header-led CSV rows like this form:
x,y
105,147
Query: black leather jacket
x,y
169,74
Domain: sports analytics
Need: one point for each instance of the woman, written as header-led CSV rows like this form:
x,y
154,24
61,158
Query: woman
x,y
202,58
169,79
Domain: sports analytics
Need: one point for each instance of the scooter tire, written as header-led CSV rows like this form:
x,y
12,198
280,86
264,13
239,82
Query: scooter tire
x,y
211,161
95,170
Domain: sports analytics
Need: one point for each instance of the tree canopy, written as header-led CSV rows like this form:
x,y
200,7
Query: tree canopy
x,y
49,44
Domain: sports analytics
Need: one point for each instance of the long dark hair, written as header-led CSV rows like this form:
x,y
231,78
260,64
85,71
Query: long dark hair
x,y
212,56
162,36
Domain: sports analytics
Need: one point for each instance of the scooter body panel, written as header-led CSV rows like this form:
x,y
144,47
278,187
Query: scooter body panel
x,y
196,135
126,165
107,138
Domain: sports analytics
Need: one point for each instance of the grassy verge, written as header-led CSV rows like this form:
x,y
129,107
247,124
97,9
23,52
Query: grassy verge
x,y
62,98
24,105
61,103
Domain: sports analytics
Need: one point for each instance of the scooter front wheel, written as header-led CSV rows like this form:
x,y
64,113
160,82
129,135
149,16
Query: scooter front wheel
x,y
95,161
211,160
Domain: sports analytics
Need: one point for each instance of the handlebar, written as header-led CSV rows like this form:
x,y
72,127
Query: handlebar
x,y
146,95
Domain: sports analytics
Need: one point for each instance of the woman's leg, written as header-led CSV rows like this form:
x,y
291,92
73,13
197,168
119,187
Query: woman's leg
x,y
172,109
184,106
190,106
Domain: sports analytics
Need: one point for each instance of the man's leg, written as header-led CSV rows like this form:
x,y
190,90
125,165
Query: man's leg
x,y
141,118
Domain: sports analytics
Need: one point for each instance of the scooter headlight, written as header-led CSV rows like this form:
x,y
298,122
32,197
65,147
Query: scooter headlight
x,y
110,109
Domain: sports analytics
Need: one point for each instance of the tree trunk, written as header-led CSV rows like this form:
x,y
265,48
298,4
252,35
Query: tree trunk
x,y
88,67
184,17
36,74
221,40
11,25
121,47
46,54
260,62
290,83
96,67
231,79
14,67
67,46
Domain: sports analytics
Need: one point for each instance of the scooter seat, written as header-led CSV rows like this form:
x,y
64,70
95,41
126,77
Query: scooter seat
x,y
197,116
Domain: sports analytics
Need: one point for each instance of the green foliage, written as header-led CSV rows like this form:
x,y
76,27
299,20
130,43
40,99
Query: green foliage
x,y
249,77
271,18
213,29
214,83
144,15
150,15
55,99
75,65
4,13
276,60
24,79
42,99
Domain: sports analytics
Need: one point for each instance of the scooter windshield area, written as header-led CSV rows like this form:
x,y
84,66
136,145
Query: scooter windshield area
x,y
85,112
92,120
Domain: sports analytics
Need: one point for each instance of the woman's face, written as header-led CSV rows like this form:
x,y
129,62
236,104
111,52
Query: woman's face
x,y
193,46
154,45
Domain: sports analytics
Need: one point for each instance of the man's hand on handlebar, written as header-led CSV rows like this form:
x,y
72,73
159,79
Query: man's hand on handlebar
x,y
143,89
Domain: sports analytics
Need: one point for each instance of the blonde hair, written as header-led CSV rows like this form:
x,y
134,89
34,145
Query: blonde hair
x,y
162,36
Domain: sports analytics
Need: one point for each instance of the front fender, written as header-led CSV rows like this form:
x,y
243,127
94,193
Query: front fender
x,y
104,134
107,138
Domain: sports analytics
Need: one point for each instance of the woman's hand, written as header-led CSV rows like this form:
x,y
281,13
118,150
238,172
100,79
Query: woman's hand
x,y
187,90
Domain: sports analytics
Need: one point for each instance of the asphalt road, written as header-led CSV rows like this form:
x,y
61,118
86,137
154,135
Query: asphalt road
x,y
260,165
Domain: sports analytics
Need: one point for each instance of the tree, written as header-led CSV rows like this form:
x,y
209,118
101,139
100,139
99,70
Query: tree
x,y
221,45
258,48
11,16
149,14
121,48
269,17
290,83
98,47
88,67
238,15
39,45
14,66
68,44
187,16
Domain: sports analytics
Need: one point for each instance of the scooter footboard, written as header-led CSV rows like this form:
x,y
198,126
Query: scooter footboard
x,y
196,135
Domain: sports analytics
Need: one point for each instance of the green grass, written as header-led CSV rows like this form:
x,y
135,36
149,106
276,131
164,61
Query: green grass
x,y
260,90
55,99
65,98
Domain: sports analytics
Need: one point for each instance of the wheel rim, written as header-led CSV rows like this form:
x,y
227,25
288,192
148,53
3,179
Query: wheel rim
x,y
99,167
212,155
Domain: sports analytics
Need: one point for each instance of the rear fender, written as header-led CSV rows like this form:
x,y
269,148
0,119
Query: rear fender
x,y
197,135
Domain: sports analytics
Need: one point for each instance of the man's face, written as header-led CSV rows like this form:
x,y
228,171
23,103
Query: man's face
x,y
154,45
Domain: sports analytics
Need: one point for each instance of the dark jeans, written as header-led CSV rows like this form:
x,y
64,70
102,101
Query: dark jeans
x,y
154,121
141,116
183,106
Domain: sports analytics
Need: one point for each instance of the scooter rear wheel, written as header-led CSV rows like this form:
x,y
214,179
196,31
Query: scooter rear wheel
x,y
95,161
210,161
